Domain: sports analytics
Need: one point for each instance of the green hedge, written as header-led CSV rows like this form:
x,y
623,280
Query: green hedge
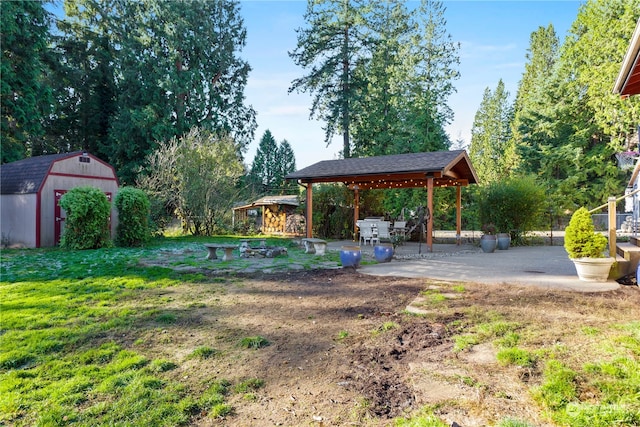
x,y
514,206
87,222
133,217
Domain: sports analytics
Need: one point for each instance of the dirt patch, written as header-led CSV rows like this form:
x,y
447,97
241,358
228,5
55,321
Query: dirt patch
x,y
344,351
379,371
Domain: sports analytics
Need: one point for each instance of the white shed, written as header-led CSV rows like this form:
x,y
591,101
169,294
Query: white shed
x,y
31,188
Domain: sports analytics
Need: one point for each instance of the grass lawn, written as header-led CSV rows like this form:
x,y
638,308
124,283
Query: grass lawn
x,y
81,334
64,316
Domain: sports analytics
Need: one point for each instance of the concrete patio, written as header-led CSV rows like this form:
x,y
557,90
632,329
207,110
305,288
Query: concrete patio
x,y
543,266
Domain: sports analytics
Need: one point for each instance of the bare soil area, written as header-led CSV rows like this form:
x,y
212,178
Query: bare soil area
x,y
344,351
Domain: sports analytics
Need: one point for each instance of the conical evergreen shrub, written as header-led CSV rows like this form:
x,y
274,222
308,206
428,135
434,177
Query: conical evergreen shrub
x,y
581,239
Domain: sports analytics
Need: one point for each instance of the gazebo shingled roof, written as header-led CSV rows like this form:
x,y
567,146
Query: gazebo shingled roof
x,y
394,171
412,170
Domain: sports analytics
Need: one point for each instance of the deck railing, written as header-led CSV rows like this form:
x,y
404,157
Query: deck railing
x,y
611,207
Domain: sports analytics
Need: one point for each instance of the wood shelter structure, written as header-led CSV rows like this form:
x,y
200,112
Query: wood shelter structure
x,y
276,213
628,81
412,170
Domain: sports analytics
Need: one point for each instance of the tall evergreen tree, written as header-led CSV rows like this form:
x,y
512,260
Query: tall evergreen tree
x,y
600,33
568,124
491,151
541,131
331,48
25,97
435,58
541,56
264,169
377,124
83,79
271,164
181,70
595,119
404,68
286,164
174,66
533,99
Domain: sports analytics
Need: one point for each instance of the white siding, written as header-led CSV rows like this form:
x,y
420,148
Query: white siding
x,y
18,224
73,166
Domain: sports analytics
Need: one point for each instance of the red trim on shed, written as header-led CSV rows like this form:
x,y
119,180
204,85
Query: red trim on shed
x,y
38,217
73,175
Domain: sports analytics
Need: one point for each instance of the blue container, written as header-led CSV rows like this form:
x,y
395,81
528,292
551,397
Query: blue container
x,y
638,275
350,256
383,252
488,243
504,240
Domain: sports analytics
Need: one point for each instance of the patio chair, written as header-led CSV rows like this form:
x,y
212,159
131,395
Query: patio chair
x,y
375,234
383,230
368,233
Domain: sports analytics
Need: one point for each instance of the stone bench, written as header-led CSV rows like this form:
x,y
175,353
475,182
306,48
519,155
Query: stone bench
x,y
313,245
228,250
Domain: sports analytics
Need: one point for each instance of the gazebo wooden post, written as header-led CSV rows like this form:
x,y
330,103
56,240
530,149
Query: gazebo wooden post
x,y
458,214
309,210
430,211
356,210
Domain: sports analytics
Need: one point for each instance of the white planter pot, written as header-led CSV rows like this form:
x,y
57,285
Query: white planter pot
x,y
593,269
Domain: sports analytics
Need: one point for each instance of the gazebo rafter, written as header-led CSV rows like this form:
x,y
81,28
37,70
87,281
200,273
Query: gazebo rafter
x,y
413,170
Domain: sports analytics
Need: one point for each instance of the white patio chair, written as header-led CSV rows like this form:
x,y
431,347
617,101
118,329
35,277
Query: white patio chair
x,y
369,233
375,236
383,230
366,233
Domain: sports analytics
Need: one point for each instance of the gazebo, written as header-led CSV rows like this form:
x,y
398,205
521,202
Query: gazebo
x,y
412,170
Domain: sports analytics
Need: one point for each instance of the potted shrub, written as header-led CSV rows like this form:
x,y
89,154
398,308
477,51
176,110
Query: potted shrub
x,y
488,241
586,248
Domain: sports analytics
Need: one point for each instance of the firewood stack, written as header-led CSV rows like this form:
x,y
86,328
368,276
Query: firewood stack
x,y
274,221
296,224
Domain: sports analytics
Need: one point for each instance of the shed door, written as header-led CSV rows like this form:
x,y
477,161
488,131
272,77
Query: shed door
x,y
59,216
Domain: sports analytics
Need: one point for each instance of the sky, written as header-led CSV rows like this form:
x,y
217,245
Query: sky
x,y
494,37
